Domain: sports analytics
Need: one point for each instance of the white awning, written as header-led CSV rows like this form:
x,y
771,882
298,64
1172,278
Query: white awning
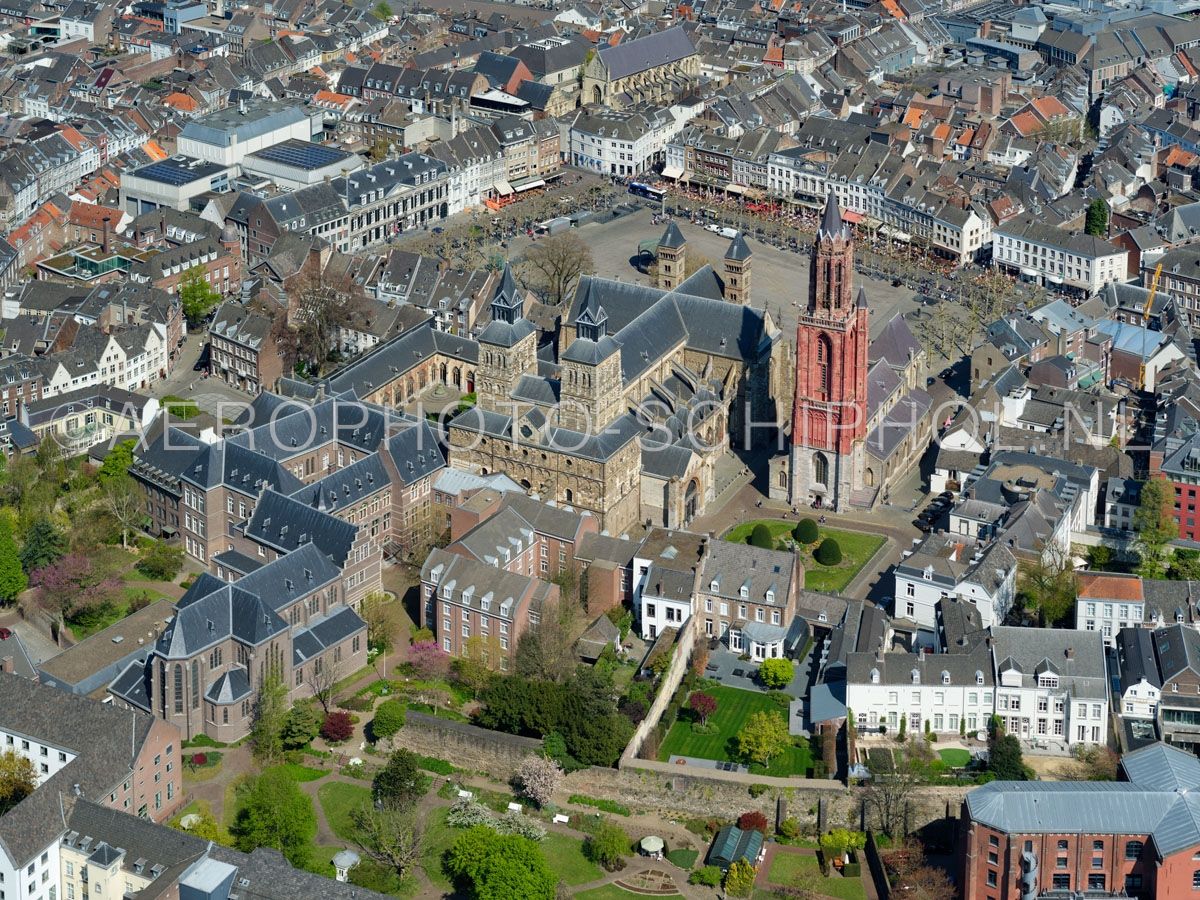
x,y
503,188
530,186
1029,273
735,188
672,172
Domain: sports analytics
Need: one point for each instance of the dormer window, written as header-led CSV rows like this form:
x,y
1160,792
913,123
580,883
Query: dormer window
x,y
744,592
771,596
916,676
945,677
714,586
978,677
874,676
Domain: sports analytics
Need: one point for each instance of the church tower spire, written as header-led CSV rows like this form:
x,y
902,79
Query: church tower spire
x,y
829,413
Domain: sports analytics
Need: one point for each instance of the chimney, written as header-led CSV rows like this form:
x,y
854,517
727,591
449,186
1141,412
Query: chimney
x,y
6,665
1069,653
107,235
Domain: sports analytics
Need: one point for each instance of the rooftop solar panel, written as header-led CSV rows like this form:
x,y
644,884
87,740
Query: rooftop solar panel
x,y
303,154
172,173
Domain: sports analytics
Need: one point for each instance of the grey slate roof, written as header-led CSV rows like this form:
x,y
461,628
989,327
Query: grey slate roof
x,y
672,238
632,56
739,250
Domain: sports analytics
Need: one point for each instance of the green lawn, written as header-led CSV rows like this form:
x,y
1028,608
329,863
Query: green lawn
x,y
566,859
734,707
339,799
857,550
437,840
955,757
612,892
786,868
298,772
685,858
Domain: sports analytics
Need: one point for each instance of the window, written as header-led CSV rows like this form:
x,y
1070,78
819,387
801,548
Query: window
x,y
1133,849
1062,881
991,878
1060,862
1096,882
993,841
1196,880
1062,845
1097,845
1133,884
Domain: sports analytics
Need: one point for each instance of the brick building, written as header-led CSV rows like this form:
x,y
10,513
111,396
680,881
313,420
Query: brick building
x,y
1136,837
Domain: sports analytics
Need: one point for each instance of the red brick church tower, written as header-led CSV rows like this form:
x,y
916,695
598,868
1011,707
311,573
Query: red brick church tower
x,y
829,417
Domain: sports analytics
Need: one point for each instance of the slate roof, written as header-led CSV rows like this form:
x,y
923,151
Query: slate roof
x,y
672,237
104,738
1159,798
285,524
640,54
739,250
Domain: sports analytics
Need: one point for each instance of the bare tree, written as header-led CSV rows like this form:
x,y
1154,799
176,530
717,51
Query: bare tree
x,y
323,676
318,308
389,836
123,500
890,795
552,266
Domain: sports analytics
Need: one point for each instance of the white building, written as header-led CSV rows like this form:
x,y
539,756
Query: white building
x,y
1051,685
227,136
1108,602
665,600
947,566
1053,257
1140,682
621,142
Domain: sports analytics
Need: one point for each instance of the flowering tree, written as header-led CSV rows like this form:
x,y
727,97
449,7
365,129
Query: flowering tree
x,y
72,585
538,778
428,659
703,705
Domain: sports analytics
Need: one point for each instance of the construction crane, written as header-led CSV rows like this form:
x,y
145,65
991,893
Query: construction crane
x,y
1146,323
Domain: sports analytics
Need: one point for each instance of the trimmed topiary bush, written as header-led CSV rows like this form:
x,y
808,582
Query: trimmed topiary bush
x,y
806,532
389,718
828,552
761,537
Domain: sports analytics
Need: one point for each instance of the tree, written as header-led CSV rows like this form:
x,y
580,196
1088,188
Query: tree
x,y
903,732
162,561
760,536
806,532
13,580
838,843
608,846
389,718
828,552
538,778
553,264
481,657
1047,583
379,612
1154,526
428,660
1100,557
337,727
739,880
270,710
1097,218
548,651
703,705
1185,564
72,585
196,296
207,828
44,544
699,661
276,814
499,866
400,783
301,724
776,673
318,308
123,501
323,677
1094,763
18,778
1005,759
752,821
890,798
708,876
117,463
382,10
764,735
390,836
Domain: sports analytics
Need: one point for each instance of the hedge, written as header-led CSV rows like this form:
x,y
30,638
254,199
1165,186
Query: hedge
x,y
828,552
806,532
